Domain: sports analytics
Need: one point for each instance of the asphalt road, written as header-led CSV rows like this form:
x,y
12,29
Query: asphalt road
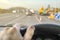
x,y
12,18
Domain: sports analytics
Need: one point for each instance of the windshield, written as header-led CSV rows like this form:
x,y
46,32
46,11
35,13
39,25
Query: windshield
x,y
29,12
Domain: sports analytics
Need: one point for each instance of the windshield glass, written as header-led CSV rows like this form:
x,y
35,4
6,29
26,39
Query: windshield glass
x,y
32,12
29,12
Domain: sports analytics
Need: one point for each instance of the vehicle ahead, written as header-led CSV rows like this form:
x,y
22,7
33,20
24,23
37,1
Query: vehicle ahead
x,y
45,32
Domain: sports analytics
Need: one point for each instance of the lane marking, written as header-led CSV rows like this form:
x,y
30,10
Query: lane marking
x,y
38,18
15,20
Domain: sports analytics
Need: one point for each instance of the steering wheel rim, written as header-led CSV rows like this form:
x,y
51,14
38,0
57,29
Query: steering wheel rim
x,y
45,31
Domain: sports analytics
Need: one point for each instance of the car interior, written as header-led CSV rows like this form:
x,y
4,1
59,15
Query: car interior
x,y
44,15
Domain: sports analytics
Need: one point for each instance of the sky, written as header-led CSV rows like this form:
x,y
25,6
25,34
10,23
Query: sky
x,y
34,4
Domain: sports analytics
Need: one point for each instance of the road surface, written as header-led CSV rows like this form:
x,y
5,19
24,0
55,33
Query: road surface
x,y
12,18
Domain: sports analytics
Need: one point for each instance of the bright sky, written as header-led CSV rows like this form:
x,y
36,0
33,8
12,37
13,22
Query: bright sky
x,y
35,4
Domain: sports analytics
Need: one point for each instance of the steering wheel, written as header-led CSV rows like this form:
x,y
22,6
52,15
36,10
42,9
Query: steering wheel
x,y
45,32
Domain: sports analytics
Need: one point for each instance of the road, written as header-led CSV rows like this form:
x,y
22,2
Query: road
x,y
12,18
6,19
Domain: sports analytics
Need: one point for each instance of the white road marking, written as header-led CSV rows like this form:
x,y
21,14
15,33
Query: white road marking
x,y
15,20
38,18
